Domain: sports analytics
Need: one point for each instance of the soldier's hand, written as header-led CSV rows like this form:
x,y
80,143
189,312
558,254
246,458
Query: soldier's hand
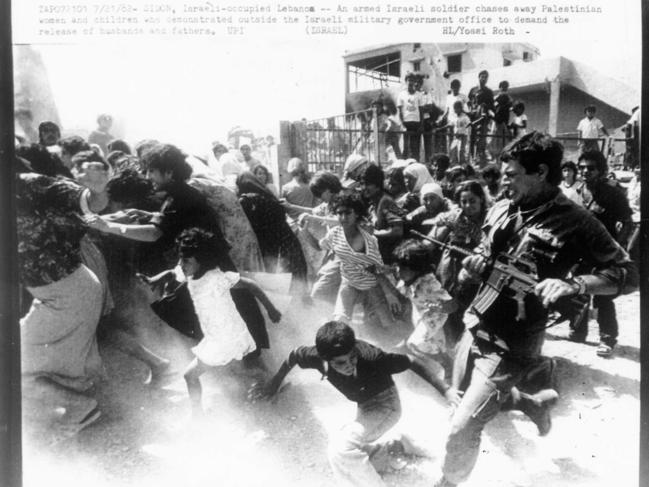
x,y
475,265
549,290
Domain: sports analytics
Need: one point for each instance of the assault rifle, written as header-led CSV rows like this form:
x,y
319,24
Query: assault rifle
x,y
519,275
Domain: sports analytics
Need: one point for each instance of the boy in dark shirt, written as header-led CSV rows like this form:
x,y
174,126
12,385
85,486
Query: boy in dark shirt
x,y
500,133
608,203
363,373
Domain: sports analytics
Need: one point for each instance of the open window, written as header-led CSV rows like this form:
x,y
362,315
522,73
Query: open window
x,y
375,72
454,63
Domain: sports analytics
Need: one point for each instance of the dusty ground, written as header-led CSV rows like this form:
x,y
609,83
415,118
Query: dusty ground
x,y
145,437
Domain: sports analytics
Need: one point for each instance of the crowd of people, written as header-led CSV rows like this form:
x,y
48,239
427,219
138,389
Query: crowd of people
x,y
474,127
475,262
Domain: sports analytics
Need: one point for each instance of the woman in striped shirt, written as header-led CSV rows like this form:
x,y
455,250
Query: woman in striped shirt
x,y
359,256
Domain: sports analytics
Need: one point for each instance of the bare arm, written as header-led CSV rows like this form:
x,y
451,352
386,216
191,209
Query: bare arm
x,y
97,201
142,233
266,390
252,286
625,232
291,206
394,231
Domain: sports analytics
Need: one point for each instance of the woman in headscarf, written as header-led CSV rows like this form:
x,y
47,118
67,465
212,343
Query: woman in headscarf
x,y
296,191
415,176
280,247
230,168
432,204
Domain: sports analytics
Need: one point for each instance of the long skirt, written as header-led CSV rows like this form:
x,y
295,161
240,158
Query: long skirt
x,y
58,333
234,224
93,259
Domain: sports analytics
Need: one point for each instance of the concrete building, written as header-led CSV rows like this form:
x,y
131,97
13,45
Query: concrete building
x,y
381,69
554,90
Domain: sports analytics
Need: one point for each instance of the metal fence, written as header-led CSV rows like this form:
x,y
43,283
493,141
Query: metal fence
x,y
325,144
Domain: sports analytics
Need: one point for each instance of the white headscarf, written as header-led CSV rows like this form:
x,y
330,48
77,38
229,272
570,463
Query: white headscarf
x,y
431,188
420,172
230,168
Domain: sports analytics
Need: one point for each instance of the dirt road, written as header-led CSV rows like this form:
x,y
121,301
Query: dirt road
x,y
145,436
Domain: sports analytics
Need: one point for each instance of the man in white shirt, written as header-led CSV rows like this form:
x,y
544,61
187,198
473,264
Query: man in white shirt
x,y
590,128
250,161
409,102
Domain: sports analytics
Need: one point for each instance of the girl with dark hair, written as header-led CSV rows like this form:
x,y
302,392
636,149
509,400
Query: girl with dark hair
x,y
431,303
279,246
265,177
460,227
225,335
358,252
570,185
185,207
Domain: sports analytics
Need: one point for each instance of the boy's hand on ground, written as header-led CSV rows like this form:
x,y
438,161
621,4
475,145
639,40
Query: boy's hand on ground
x,y
261,391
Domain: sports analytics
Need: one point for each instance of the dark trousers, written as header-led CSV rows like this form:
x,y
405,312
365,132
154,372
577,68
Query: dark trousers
x,y
411,140
428,139
606,319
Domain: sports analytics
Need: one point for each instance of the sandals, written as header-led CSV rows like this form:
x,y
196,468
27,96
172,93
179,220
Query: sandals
x,y
604,350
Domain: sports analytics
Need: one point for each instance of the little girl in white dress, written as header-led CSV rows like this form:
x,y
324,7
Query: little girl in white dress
x,y
226,336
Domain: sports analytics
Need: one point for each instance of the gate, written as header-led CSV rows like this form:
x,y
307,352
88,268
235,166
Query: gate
x,y
325,144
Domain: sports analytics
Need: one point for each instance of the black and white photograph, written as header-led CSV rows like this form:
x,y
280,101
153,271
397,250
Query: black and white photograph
x,y
322,244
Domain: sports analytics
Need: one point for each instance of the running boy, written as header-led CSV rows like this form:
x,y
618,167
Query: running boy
x,y
363,373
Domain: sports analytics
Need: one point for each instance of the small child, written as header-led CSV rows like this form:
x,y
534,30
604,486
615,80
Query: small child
x,y
225,335
590,128
393,129
460,126
500,131
358,253
518,126
363,374
431,303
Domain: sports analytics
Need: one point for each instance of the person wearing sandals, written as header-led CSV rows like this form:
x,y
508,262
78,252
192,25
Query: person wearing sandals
x,y
501,349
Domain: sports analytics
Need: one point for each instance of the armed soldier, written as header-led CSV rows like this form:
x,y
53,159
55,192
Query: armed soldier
x,y
539,228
